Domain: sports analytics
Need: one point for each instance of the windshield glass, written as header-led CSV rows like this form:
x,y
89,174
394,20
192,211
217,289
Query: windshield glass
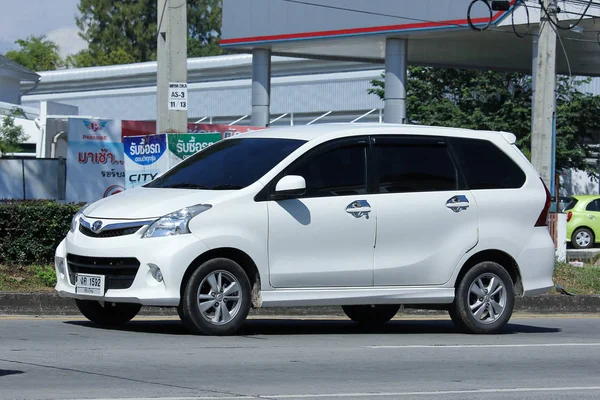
x,y
227,165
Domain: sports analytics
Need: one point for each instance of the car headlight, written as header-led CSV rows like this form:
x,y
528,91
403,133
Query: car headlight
x,y
175,223
76,217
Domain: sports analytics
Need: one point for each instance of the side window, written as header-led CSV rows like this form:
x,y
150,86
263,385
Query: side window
x,y
485,166
413,165
337,171
593,206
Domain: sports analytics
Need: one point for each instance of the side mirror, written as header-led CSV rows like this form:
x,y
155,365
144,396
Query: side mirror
x,y
290,186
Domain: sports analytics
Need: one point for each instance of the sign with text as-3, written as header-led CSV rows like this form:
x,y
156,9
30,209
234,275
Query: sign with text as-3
x,y
178,96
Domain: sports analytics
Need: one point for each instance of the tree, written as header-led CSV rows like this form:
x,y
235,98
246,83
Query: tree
x,y
37,53
125,31
11,135
490,100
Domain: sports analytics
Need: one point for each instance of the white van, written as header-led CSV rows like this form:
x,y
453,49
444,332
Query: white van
x,y
364,216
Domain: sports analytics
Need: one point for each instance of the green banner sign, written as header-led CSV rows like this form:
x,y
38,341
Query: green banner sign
x,y
184,145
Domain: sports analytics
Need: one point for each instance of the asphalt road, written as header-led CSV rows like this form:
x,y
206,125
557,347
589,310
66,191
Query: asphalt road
x,y
535,358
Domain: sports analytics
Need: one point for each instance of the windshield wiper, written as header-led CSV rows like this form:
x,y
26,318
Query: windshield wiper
x,y
184,186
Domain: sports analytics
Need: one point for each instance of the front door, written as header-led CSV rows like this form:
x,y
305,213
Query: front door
x,y
426,218
318,239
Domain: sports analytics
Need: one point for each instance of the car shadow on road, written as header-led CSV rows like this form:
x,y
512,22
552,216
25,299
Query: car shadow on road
x,y
6,372
274,327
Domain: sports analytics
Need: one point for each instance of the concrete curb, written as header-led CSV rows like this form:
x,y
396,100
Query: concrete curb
x,y
52,304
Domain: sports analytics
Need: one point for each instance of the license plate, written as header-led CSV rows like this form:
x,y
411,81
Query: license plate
x,y
90,284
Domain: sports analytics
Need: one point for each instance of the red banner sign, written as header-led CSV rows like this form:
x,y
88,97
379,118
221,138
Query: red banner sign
x,y
140,128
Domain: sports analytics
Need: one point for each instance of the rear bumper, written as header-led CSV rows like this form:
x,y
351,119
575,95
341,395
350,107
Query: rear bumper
x,y
536,263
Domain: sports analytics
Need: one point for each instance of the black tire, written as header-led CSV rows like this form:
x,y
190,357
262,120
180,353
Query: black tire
x,y
583,231
198,321
492,318
456,319
112,314
371,315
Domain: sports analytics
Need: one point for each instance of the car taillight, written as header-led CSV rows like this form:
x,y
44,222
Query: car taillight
x,y
569,216
543,219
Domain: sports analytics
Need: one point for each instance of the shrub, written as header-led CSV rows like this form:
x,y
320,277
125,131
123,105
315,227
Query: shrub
x,y
30,231
46,275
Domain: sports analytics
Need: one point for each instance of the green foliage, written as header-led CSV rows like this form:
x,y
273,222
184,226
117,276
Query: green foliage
x,y
30,231
123,32
46,274
11,135
578,280
490,100
37,53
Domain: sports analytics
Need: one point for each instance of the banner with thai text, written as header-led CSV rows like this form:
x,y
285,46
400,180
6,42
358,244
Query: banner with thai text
x,y
95,159
146,158
184,145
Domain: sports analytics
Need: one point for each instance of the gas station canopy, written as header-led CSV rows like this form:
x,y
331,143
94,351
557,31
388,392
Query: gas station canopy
x,y
438,32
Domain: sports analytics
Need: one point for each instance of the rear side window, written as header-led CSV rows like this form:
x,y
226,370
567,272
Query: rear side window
x,y
404,165
571,204
485,166
593,206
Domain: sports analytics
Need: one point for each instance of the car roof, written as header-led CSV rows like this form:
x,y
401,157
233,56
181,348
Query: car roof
x,y
584,197
310,132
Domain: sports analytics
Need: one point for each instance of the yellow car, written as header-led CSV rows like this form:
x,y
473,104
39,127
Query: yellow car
x,y
583,221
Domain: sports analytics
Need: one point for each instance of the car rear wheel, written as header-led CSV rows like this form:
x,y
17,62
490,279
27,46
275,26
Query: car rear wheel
x,y
583,238
371,314
109,314
484,299
216,299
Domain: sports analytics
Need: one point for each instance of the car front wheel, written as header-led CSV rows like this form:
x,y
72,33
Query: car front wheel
x,y
484,299
216,299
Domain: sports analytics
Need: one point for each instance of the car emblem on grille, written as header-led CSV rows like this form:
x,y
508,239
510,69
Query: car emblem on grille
x,y
97,226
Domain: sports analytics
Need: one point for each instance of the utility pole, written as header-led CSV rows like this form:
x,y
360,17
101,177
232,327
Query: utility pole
x,y
544,98
171,80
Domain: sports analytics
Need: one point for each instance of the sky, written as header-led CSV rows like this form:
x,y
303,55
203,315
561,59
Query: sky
x,y
53,18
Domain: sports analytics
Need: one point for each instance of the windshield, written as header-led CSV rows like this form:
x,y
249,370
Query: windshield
x,y
227,165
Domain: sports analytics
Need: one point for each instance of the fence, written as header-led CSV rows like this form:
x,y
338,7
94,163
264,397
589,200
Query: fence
x,y
33,178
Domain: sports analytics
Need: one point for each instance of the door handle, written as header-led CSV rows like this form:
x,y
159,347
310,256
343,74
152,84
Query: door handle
x,y
359,208
590,216
458,203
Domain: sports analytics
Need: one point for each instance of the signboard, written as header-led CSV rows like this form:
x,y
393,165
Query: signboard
x,y
178,96
95,159
145,158
184,145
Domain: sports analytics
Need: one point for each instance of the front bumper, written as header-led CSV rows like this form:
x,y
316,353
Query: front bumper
x,y
173,255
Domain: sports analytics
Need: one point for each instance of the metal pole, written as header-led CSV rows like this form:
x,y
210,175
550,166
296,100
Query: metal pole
x,y
23,177
261,86
172,101
396,60
544,99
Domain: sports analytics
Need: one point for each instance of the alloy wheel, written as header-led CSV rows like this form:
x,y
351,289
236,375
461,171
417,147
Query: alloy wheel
x,y
219,297
487,298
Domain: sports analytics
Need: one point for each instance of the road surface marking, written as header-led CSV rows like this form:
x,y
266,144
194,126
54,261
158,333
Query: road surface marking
x,y
487,346
378,394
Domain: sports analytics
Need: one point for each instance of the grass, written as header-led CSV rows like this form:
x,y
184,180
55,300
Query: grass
x,y
36,278
578,280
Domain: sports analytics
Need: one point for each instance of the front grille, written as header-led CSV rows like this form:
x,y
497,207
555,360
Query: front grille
x,y
119,272
110,232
